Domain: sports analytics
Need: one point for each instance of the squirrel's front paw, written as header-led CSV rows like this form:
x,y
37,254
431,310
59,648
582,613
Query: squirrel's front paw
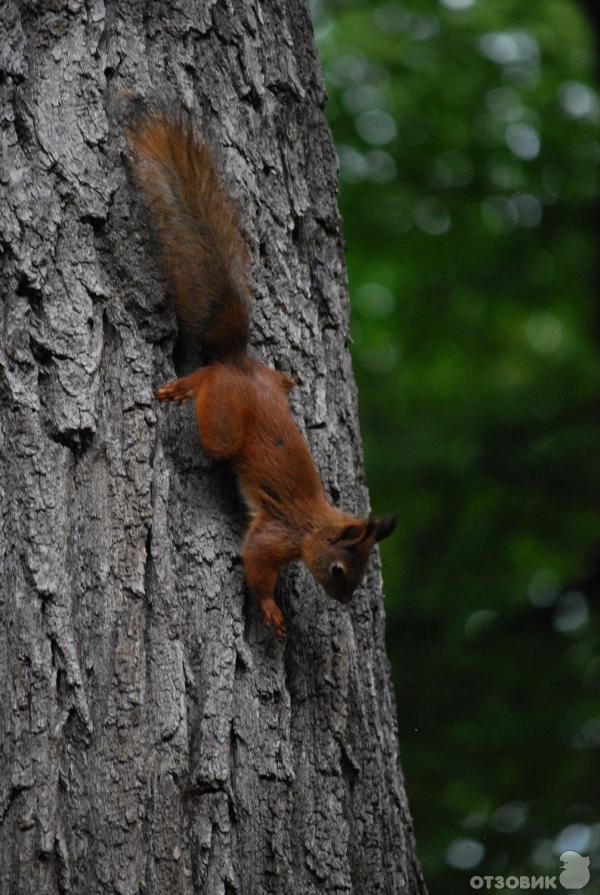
x,y
179,390
273,617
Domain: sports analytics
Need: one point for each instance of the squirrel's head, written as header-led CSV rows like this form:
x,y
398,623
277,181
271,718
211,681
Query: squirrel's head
x,y
337,554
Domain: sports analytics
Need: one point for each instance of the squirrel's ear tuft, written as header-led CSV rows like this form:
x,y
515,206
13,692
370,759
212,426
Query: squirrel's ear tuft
x,y
384,528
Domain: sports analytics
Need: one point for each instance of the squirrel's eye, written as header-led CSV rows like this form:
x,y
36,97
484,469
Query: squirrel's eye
x,y
336,570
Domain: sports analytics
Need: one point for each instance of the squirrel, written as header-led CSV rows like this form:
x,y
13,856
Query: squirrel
x,y
242,405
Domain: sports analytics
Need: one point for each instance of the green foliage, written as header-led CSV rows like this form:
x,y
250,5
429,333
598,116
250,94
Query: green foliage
x,y
468,136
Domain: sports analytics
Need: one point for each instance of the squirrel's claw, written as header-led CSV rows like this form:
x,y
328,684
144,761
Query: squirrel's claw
x,y
273,618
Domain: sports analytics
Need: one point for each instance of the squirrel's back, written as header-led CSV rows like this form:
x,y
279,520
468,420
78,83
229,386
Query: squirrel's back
x,y
204,253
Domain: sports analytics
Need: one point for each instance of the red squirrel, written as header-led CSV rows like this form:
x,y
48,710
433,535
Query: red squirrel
x,y
241,405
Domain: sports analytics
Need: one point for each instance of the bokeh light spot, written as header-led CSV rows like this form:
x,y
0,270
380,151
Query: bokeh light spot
x,y
374,300
353,164
361,97
523,140
509,47
457,5
578,100
479,622
529,210
588,735
376,127
464,853
571,612
431,217
381,166
509,818
347,68
544,332
575,837
499,214
544,588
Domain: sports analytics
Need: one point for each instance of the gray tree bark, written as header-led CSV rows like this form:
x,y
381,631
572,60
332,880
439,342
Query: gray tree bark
x,y
154,736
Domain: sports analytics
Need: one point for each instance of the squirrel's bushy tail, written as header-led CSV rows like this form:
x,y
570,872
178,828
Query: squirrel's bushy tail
x,y
204,253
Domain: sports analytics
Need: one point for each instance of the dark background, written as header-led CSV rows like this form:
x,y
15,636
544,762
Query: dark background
x,y
469,144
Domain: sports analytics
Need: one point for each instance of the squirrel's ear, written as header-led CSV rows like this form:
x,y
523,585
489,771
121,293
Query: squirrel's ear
x,y
350,534
384,528
370,527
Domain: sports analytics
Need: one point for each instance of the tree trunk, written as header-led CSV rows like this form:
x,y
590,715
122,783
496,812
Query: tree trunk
x,y
593,13
154,736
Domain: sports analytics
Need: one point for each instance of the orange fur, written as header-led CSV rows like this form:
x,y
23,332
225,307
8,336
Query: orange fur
x,y
241,405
